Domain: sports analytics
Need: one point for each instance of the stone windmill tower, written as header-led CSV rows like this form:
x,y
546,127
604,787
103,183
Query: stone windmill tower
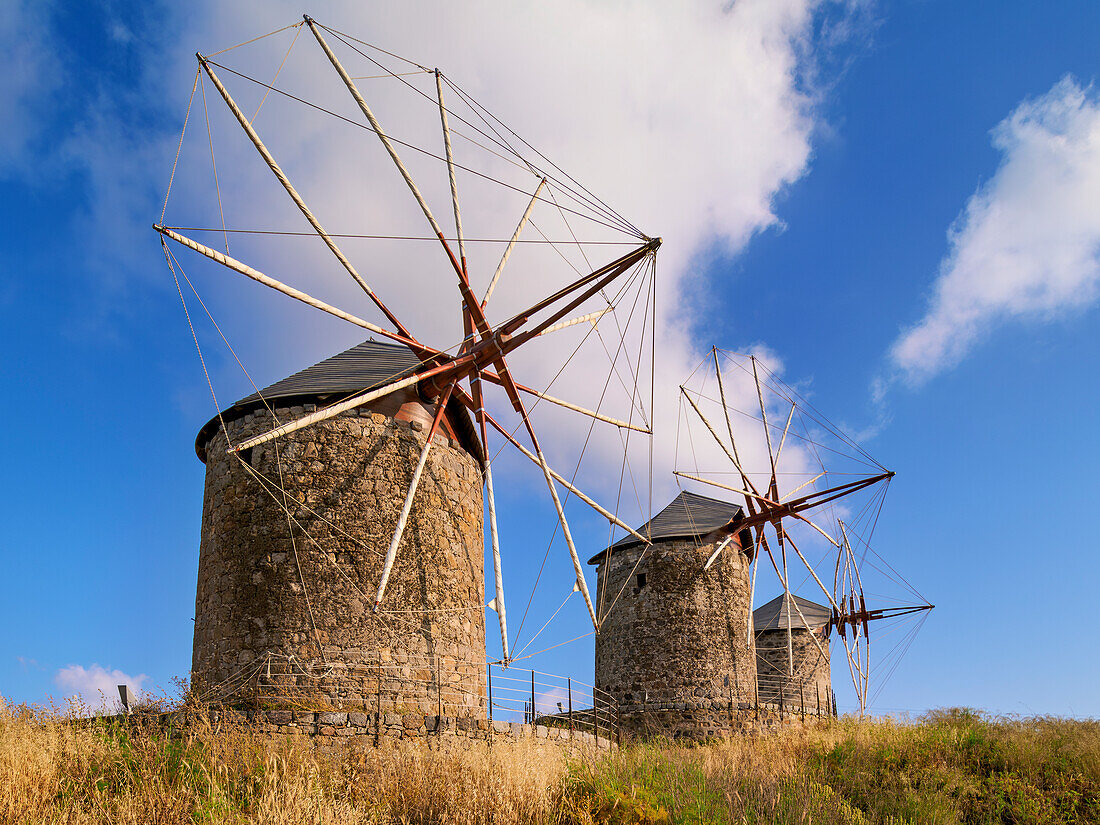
x,y
342,536
294,532
674,648
796,677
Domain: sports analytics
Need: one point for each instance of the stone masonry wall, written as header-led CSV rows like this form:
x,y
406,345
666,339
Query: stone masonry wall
x,y
283,609
702,721
679,639
332,731
811,685
334,728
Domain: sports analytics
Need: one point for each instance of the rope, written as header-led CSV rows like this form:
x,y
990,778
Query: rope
x,y
186,117
547,623
554,647
433,239
406,144
622,290
474,106
261,37
280,487
278,71
479,109
225,429
214,164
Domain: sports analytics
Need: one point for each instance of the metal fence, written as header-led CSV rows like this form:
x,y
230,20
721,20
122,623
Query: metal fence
x,y
540,698
443,686
385,680
794,694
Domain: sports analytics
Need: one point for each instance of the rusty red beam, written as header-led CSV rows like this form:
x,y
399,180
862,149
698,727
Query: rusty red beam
x,y
602,277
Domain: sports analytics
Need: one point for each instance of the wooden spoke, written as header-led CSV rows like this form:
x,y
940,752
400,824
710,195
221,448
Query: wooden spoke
x,y
406,508
626,425
279,286
767,431
813,573
752,587
726,411
730,487
722,546
607,514
376,126
450,168
787,596
512,243
332,411
581,583
828,538
782,441
755,493
294,196
494,536
594,281
803,485
591,316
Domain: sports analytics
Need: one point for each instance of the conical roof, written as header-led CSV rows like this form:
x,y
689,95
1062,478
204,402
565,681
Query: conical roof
x,y
366,365
689,515
355,370
773,615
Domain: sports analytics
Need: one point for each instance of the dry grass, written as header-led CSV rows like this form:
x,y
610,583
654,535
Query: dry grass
x,y
54,770
951,767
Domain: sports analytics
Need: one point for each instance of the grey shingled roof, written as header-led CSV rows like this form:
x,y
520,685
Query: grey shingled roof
x,y
689,515
364,366
360,368
773,615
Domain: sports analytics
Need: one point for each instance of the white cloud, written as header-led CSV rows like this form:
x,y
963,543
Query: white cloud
x,y
1027,245
690,118
95,686
29,74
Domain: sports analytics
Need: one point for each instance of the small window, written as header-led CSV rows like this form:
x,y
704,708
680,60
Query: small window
x,y
641,580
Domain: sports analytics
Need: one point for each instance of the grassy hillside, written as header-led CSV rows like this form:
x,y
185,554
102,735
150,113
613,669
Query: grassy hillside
x,y
953,766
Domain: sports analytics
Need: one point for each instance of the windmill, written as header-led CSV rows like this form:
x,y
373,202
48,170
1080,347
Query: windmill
x,y
790,475
851,617
466,372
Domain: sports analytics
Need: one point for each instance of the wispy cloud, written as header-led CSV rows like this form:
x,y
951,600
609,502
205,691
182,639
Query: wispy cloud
x,y
96,686
694,142
30,73
691,118
1027,245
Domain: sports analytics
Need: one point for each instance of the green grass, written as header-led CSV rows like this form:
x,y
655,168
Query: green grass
x,y
953,766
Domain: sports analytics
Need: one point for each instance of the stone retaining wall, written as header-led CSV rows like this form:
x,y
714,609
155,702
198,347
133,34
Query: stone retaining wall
x,y
703,721
332,730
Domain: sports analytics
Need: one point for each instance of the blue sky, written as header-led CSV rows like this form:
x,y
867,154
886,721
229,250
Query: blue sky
x,y
900,201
